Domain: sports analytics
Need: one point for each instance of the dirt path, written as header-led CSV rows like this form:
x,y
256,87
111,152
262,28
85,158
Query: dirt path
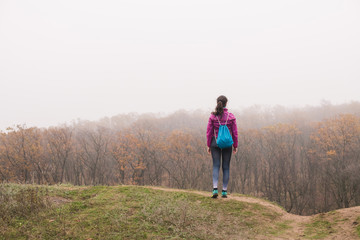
x,y
345,220
296,222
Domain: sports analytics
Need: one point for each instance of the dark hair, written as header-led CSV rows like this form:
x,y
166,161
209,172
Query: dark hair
x,y
221,103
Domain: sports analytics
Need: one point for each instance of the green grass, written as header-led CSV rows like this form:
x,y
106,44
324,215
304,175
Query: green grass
x,y
319,228
280,227
358,227
263,199
132,212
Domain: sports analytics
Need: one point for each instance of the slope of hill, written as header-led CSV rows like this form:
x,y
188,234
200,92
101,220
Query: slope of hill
x,y
133,212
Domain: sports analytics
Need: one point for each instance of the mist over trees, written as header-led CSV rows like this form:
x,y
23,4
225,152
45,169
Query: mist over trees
x,y
306,159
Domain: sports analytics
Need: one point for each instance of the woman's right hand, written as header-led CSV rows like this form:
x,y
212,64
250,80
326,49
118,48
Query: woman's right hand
x,y
235,150
208,150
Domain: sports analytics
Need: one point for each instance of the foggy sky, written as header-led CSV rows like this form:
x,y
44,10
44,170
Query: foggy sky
x,y
63,60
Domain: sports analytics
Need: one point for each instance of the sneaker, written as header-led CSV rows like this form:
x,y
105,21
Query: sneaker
x,y
215,193
224,194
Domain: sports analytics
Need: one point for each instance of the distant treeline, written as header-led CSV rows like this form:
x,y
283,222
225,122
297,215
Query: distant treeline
x,y
306,159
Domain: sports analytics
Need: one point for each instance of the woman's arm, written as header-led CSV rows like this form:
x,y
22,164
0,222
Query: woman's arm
x,y
209,132
234,133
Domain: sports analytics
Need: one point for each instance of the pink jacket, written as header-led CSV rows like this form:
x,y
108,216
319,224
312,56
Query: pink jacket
x,y
214,124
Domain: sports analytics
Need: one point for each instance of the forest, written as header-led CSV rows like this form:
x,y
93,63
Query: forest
x,y
307,159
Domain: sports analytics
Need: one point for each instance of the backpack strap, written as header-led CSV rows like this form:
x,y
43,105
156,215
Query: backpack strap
x,y
226,119
220,123
214,128
218,120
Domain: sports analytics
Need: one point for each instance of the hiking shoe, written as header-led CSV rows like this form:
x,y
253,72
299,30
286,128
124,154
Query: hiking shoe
x,y
224,194
215,193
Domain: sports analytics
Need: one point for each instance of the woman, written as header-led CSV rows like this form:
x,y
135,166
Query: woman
x,y
221,115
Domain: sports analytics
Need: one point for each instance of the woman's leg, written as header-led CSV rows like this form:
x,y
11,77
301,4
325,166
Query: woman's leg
x,y
216,155
226,156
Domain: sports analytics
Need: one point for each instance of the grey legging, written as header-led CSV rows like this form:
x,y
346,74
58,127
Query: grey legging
x,y
217,154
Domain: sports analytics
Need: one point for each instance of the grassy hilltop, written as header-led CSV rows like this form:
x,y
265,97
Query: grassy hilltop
x,y
133,212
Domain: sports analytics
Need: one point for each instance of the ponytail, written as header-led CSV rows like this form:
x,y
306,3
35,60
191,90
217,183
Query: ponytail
x,y
221,103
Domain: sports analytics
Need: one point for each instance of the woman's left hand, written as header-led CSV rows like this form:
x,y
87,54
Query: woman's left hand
x,y
208,150
235,150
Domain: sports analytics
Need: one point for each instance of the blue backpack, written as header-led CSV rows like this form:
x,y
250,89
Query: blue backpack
x,y
224,139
